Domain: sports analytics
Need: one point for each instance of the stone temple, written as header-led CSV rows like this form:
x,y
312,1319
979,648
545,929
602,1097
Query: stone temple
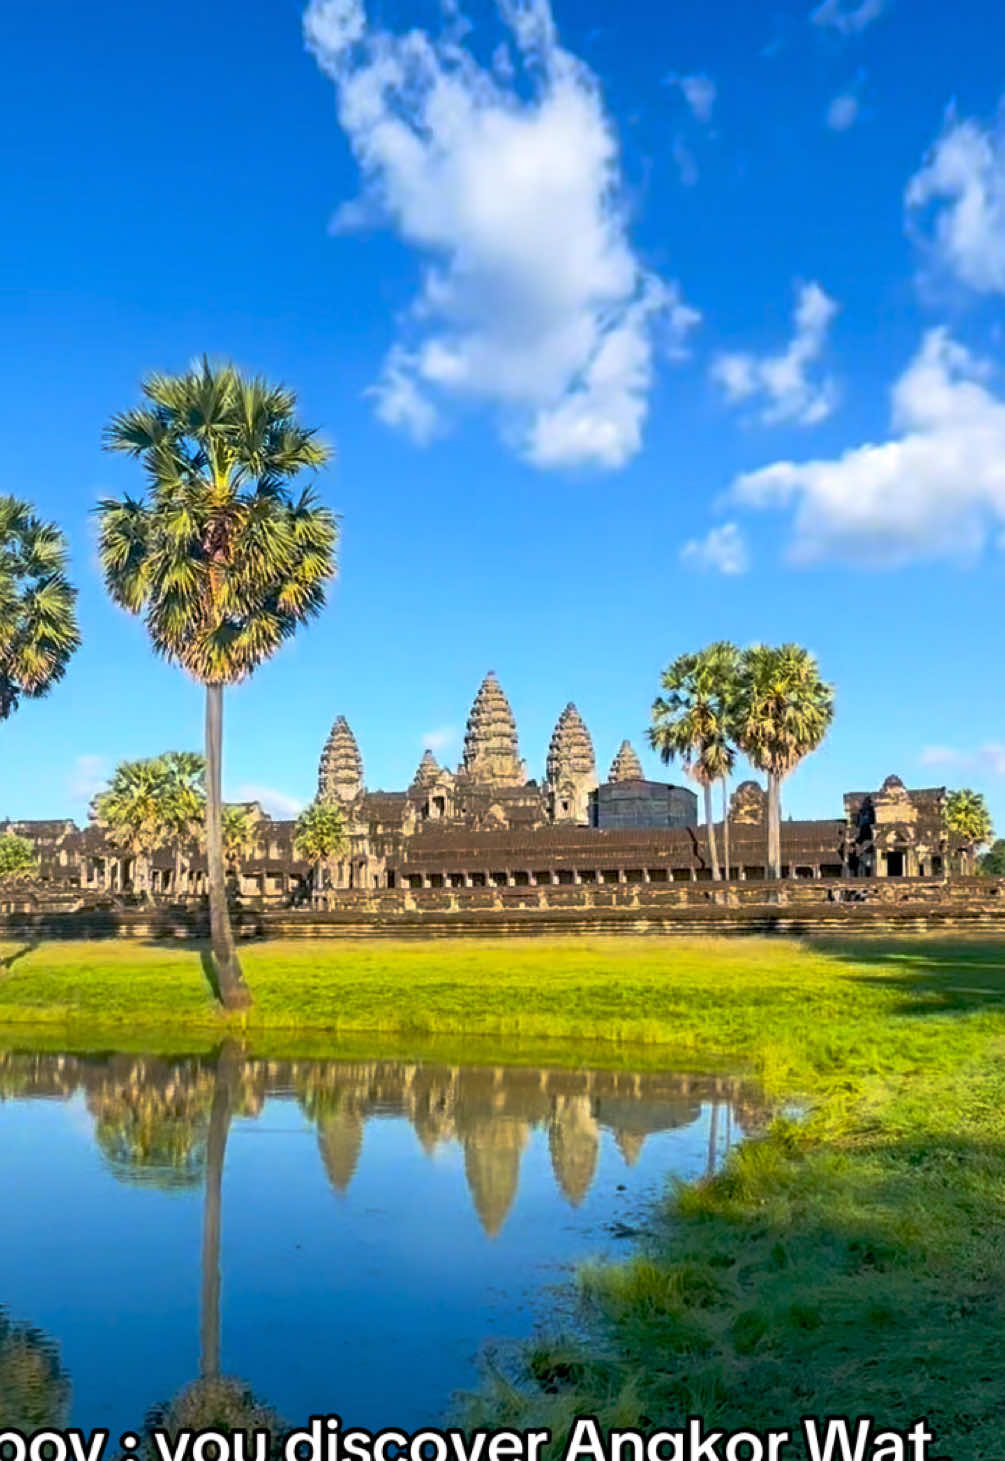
x,y
489,792
487,825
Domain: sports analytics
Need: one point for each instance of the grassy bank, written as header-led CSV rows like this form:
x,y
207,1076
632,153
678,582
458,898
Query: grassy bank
x,y
702,996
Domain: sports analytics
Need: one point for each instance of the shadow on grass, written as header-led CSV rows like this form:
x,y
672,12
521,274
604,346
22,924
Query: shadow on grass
x,y
209,970
7,964
936,976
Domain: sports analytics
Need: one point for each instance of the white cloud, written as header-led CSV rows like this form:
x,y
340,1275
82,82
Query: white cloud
x,y
843,111
440,739
960,190
849,21
698,91
723,549
987,758
782,381
934,489
507,181
276,803
88,775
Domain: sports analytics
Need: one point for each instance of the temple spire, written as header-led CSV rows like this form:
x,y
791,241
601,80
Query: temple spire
x,y
340,775
491,754
626,765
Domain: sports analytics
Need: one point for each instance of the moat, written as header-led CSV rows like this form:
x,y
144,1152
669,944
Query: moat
x,y
342,1235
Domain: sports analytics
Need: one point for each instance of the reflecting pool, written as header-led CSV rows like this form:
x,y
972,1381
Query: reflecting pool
x,y
342,1235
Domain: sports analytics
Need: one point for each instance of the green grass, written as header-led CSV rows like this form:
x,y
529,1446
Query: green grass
x,y
848,1261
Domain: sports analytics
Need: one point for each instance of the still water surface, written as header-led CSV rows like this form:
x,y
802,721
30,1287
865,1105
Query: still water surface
x,y
345,1236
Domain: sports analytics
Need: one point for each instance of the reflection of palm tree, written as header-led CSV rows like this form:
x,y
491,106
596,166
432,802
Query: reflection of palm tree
x,y
150,1123
34,1387
224,1088
217,1404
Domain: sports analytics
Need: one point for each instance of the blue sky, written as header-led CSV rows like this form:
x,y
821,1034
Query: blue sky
x,y
632,329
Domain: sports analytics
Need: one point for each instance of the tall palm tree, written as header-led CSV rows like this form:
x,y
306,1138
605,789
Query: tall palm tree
x,y
967,815
219,555
720,669
320,837
135,812
783,712
38,619
686,725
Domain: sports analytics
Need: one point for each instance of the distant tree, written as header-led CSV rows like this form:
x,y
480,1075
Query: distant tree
x,y
320,838
720,666
993,861
184,804
689,724
783,712
17,858
221,559
240,836
38,620
134,813
968,818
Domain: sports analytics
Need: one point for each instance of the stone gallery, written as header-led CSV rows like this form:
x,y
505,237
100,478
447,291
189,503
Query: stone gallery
x,y
487,825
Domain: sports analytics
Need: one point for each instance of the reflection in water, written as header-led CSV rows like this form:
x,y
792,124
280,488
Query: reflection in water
x,y
34,1388
164,1124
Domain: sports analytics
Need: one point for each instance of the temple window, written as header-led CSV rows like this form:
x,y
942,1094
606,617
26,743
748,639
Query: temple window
x,y
658,875
521,880
611,875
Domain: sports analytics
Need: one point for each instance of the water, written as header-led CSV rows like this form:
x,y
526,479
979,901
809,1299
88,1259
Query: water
x,y
344,1236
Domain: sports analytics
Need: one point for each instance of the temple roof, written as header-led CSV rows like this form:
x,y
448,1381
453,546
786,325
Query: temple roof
x,y
491,753
626,765
570,753
340,774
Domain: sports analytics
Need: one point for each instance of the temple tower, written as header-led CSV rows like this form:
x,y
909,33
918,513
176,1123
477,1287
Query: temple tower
x,y
626,765
428,770
571,769
491,755
340,775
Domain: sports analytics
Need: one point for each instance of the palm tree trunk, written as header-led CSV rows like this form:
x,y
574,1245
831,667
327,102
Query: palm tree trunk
x,y
713,855
725,828
234,993
774,826
216,1146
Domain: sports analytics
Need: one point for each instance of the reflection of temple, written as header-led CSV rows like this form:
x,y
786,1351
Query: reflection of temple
x,y
151,1115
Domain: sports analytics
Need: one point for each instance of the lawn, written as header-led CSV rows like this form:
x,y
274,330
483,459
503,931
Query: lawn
x,y
850,1260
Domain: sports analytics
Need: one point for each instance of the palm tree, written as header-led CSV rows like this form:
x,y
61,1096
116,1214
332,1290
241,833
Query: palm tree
x,y
720,667
240,837
135,811
687,724
221,558
320,837
967,816
783,711
184,803
38,620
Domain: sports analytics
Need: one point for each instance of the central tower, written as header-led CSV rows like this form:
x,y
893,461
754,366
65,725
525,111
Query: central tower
x,y
491,754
